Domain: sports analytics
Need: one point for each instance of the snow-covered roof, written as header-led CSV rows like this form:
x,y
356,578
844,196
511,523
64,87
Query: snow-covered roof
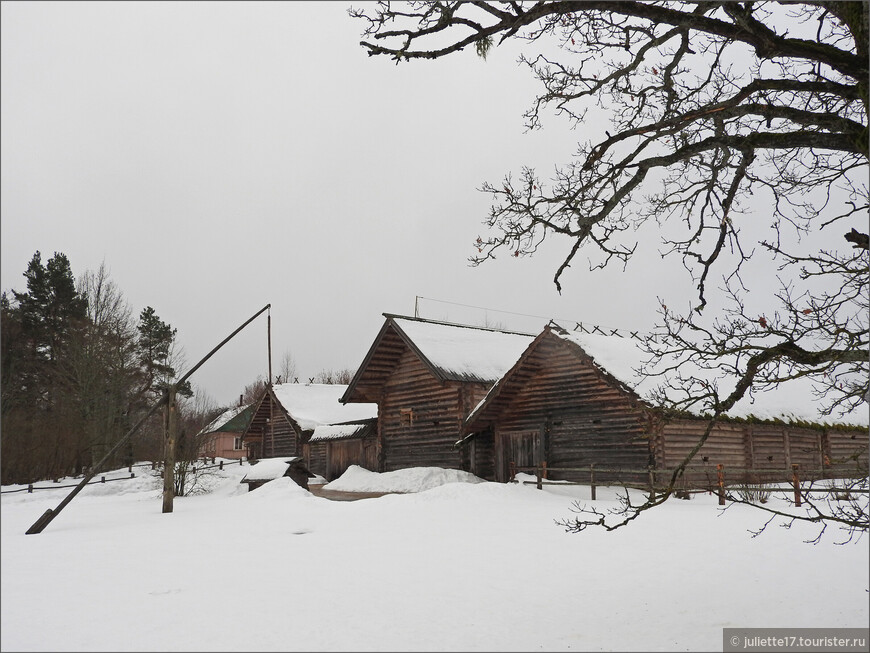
x,y
315,404
464,353
792,401
268,469
221,420
337,431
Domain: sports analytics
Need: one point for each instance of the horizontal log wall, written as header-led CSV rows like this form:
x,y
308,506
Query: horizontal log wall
x,y
726,444
847,446
582,418
279,436
419,418
768,451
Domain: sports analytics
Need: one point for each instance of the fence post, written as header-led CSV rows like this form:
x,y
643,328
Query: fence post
x,y
796,484
513,470
720,482
539,472
545,468
592,479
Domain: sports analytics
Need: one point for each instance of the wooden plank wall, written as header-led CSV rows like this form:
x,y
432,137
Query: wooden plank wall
x,y
341,454
581,418
842,446
315,457
771,449
419,418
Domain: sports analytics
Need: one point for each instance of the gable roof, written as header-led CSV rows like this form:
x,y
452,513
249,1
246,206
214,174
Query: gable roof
x,y
617,358
451,352
316,404
234,419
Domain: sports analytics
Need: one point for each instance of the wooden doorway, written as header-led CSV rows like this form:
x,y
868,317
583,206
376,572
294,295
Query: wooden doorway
x,y
519,447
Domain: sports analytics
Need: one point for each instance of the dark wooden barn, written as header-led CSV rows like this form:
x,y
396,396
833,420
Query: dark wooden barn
x,y
426,376
286,415
559,404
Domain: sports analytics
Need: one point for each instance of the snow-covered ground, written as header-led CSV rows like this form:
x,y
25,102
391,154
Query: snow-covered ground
x,y
450,564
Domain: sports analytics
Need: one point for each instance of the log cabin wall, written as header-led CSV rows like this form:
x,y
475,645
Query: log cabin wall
x,y
571,416
279,437
419,418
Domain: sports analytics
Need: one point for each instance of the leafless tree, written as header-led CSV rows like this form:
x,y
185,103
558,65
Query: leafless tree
x,y
253,391
725,118
334,377
287,369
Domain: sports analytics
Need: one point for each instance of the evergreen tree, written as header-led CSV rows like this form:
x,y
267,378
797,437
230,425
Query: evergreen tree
x,y
155,347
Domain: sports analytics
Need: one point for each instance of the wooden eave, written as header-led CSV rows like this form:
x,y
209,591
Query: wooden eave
x,y
246,436
380,361
505,390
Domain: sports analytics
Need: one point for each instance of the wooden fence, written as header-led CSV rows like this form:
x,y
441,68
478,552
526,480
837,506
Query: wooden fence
x,y
716,479
153,465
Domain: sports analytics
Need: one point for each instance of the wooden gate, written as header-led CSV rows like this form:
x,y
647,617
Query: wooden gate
x,y
519,447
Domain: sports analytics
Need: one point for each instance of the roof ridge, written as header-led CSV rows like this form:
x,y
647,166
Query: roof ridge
x,y
455,324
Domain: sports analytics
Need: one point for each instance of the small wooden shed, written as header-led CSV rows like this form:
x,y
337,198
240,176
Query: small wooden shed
x,y
425,376
567,402
285,416
332,449
269,469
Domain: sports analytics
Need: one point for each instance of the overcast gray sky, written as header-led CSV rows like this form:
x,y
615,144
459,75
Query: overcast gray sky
x,y
219,157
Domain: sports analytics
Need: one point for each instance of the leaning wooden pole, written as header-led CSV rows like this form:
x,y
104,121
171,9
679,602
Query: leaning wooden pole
x,y
40,524
46,518
171,428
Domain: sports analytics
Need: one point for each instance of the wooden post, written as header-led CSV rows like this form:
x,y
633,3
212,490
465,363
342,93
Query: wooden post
x,y
545,468
592,479
169,451
796,484
720,482
538,473
513,470
652,484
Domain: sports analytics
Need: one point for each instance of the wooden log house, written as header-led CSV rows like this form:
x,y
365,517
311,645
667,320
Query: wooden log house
x,y
287,414
426,376
560,404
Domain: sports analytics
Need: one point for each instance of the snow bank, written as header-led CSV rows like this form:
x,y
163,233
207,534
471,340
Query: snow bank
x,y
415,479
